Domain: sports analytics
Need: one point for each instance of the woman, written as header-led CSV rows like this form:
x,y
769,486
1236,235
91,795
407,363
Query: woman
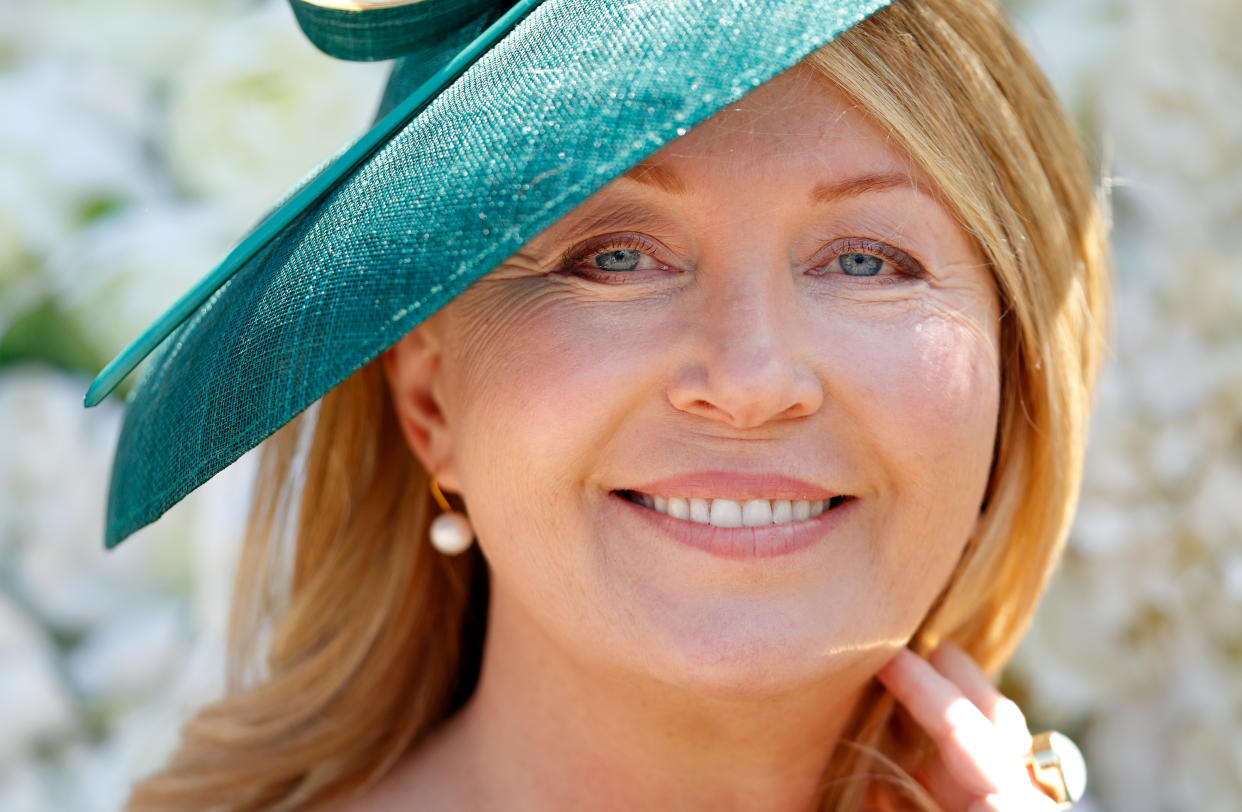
x,y
763,446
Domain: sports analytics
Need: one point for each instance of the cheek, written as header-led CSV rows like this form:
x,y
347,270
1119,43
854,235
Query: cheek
x,y
924,392
536,385
550,373
957,383
923,397
926,384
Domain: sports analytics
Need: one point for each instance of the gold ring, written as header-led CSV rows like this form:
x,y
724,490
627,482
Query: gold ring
x,y
1057,766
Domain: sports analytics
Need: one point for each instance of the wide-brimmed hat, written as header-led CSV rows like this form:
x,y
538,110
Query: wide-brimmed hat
x,y
498,118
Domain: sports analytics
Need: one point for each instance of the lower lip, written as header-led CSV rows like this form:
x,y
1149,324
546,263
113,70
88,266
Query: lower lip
x,y
744,543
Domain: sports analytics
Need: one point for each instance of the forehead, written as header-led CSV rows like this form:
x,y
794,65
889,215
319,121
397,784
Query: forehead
x,y
798,128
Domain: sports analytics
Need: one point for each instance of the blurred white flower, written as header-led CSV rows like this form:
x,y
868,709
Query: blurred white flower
x,y
117,276
32,703
70,147
1100,531
1232,581
1137,644
135,650
143,137
1173,104
1172,380
22,787
104,655
1070,40
1176,454
253,107
126,612
146,38
1216,513
55,464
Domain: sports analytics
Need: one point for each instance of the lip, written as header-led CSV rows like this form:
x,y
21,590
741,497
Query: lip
x,y
739,487
743,543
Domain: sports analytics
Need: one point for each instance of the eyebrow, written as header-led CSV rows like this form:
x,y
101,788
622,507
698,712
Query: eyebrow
x,y
661,177
650,173
873,182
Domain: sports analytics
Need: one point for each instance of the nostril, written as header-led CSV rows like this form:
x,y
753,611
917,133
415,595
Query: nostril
x,y
727,387
704,408
799,409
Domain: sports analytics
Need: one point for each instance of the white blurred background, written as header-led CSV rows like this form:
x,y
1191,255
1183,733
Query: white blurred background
x,y
140,138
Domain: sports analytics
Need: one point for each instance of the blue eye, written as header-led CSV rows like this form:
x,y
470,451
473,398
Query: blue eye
x,y
621,259
862,258
860,264
613,258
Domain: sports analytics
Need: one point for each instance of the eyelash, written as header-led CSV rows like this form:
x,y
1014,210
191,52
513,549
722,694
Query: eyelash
x,y
905,265
581,252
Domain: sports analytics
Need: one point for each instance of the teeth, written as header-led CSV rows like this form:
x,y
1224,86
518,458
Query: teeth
x,y
729,513
755,513
726,513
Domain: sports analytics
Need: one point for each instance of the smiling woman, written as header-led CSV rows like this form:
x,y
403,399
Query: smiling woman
x,y
742,427
737,364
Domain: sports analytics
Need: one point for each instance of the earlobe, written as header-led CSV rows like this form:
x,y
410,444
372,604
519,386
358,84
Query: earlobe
x,y
411,367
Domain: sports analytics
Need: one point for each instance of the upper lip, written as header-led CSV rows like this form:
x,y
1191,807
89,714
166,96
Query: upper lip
x,y
736,485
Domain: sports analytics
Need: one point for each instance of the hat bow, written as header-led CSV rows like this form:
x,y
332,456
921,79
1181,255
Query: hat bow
x,y
372,30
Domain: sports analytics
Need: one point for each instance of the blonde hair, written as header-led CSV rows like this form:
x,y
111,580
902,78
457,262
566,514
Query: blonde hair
x,y
351,639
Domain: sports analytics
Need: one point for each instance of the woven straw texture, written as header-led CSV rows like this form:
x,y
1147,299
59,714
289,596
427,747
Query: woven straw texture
x,y
577,93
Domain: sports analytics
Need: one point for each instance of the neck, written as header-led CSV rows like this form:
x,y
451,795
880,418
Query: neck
x,y
546,731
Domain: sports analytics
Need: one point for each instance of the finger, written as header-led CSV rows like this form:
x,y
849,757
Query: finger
x,y
948,794
970,745
962,671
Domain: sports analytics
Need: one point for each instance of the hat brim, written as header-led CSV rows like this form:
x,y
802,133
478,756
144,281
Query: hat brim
x,y
577,93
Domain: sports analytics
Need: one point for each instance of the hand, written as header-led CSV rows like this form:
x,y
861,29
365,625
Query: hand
x,y
980,735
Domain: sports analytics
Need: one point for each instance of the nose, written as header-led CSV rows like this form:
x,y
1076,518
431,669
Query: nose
x,y
749,358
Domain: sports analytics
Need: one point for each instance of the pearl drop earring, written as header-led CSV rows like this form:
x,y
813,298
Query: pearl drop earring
x,y
451,532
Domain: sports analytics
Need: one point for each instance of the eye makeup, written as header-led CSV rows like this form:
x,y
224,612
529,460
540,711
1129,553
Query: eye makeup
x,y
574,259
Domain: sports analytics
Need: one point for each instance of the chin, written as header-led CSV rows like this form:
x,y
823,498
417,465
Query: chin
x,y
727,656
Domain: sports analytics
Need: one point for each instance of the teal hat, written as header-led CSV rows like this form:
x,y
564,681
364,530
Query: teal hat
x,y
498,118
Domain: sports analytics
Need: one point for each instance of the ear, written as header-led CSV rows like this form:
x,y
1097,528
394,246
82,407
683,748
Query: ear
x,y
412,367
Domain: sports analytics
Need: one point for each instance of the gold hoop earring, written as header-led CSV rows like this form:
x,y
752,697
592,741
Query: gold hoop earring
x,y
451,532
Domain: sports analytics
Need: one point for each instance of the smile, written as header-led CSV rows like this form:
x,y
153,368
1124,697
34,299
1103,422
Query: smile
x,y
733,513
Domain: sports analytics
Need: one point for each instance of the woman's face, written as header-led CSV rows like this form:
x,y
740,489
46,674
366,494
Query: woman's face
x,y
775,309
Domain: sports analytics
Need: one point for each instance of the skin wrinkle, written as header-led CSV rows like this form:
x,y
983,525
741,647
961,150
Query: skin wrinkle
x,y
591,219
629,215
557,390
